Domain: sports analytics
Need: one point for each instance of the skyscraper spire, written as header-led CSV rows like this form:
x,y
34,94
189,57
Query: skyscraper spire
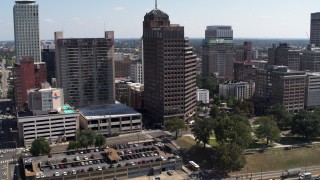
x,y
156,4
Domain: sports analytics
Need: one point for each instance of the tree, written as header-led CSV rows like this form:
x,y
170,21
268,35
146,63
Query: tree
x,y
306,124
40,146
215,112
234,129
267,129
73,145
175,125
282,116
90,134
83,141
202,130
230,157
100,140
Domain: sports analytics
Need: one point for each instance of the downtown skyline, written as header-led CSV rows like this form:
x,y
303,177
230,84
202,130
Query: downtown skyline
x,y
249,19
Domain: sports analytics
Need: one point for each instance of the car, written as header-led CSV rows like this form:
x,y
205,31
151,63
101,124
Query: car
x,y
78,171
77,158
135,145
132,163
155,154
317,178
121,147
50,156
111,166
56,174
81,152
65,173
96,150
143,155
162,158
127,164
103,167
148,154
53,167
85,157
99,168
64,160
170,172
37,176
90,169
42,176
82,171
83,164
156,178
86,163
98,161
90,163
119,165
129,152
92,156
74,171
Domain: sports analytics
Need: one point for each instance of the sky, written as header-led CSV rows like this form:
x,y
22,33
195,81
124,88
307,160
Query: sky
x,y
90,18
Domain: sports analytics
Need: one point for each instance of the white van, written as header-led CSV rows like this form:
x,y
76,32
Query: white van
x,y
306,176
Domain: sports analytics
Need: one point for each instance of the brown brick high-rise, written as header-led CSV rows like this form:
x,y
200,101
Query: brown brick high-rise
x,y
169,69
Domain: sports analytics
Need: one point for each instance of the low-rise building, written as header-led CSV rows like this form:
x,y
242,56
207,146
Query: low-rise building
x,y
56,126
203,96
312,97
135,96
110,119
240,90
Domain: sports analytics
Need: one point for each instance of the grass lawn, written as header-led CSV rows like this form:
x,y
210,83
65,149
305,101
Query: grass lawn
x,y
279,159
213,142
186,142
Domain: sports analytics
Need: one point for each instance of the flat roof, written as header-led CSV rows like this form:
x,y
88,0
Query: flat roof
x,y
108,109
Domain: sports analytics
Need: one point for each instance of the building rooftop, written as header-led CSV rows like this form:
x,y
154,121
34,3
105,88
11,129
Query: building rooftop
x,y
108,109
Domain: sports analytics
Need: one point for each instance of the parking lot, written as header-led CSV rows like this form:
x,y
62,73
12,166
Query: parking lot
x,y
117,155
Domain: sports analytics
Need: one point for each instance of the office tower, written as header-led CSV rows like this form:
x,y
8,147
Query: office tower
x,y
310,60
48,56
136,71
284,55
26,30
244,52
27,75
122,67
85,70
169,69
217,52
315,29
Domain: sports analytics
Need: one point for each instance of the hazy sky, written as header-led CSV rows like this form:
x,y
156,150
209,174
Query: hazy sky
x,y
89,18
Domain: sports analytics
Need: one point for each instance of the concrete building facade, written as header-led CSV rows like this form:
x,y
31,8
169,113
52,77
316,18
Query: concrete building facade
x,y
112,119
169,69
244,71
218,52
312,95
26,30
85,69
284,55
136,71
310,60
135,96
244,52
240,90
203,96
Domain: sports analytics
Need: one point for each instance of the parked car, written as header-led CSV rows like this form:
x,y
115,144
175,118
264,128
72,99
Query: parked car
x,y
170,172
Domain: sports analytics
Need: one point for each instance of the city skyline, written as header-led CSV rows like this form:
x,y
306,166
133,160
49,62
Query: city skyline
x,y
289,18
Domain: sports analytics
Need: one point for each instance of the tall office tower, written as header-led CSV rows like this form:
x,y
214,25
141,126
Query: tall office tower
x,y
169,69
122,67
136,71
85,69
284,55
217,52
26,30
27,75
244,52
48,56
315,29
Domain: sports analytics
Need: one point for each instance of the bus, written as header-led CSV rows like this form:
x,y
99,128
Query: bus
x,y
194,166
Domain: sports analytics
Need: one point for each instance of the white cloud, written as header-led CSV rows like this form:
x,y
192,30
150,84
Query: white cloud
x,y
119,8
48,20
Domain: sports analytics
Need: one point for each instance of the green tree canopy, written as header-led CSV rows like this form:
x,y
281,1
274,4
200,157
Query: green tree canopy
x,y
202,130
90,134
230,157
175,125
100,140
282,116
73,145
306,124
267,129
40,146
83,141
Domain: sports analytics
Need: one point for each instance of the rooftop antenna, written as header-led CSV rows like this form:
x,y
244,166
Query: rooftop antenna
x,y
156,2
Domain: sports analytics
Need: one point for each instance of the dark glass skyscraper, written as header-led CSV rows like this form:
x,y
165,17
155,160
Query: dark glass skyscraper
x,y
169,69
315,29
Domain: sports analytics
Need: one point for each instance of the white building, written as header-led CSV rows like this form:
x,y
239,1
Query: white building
x,y
42,101
55,127
26,30
136,72
203,96
240,90
110,119
312,95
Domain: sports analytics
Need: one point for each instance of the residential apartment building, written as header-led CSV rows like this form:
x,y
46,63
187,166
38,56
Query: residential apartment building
x,y
203,96
169,69
244,71
244,52
26,30
284,55
111,119
136,71
240,90
27,75
85,69
315,29
121,90
135,96
217,52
